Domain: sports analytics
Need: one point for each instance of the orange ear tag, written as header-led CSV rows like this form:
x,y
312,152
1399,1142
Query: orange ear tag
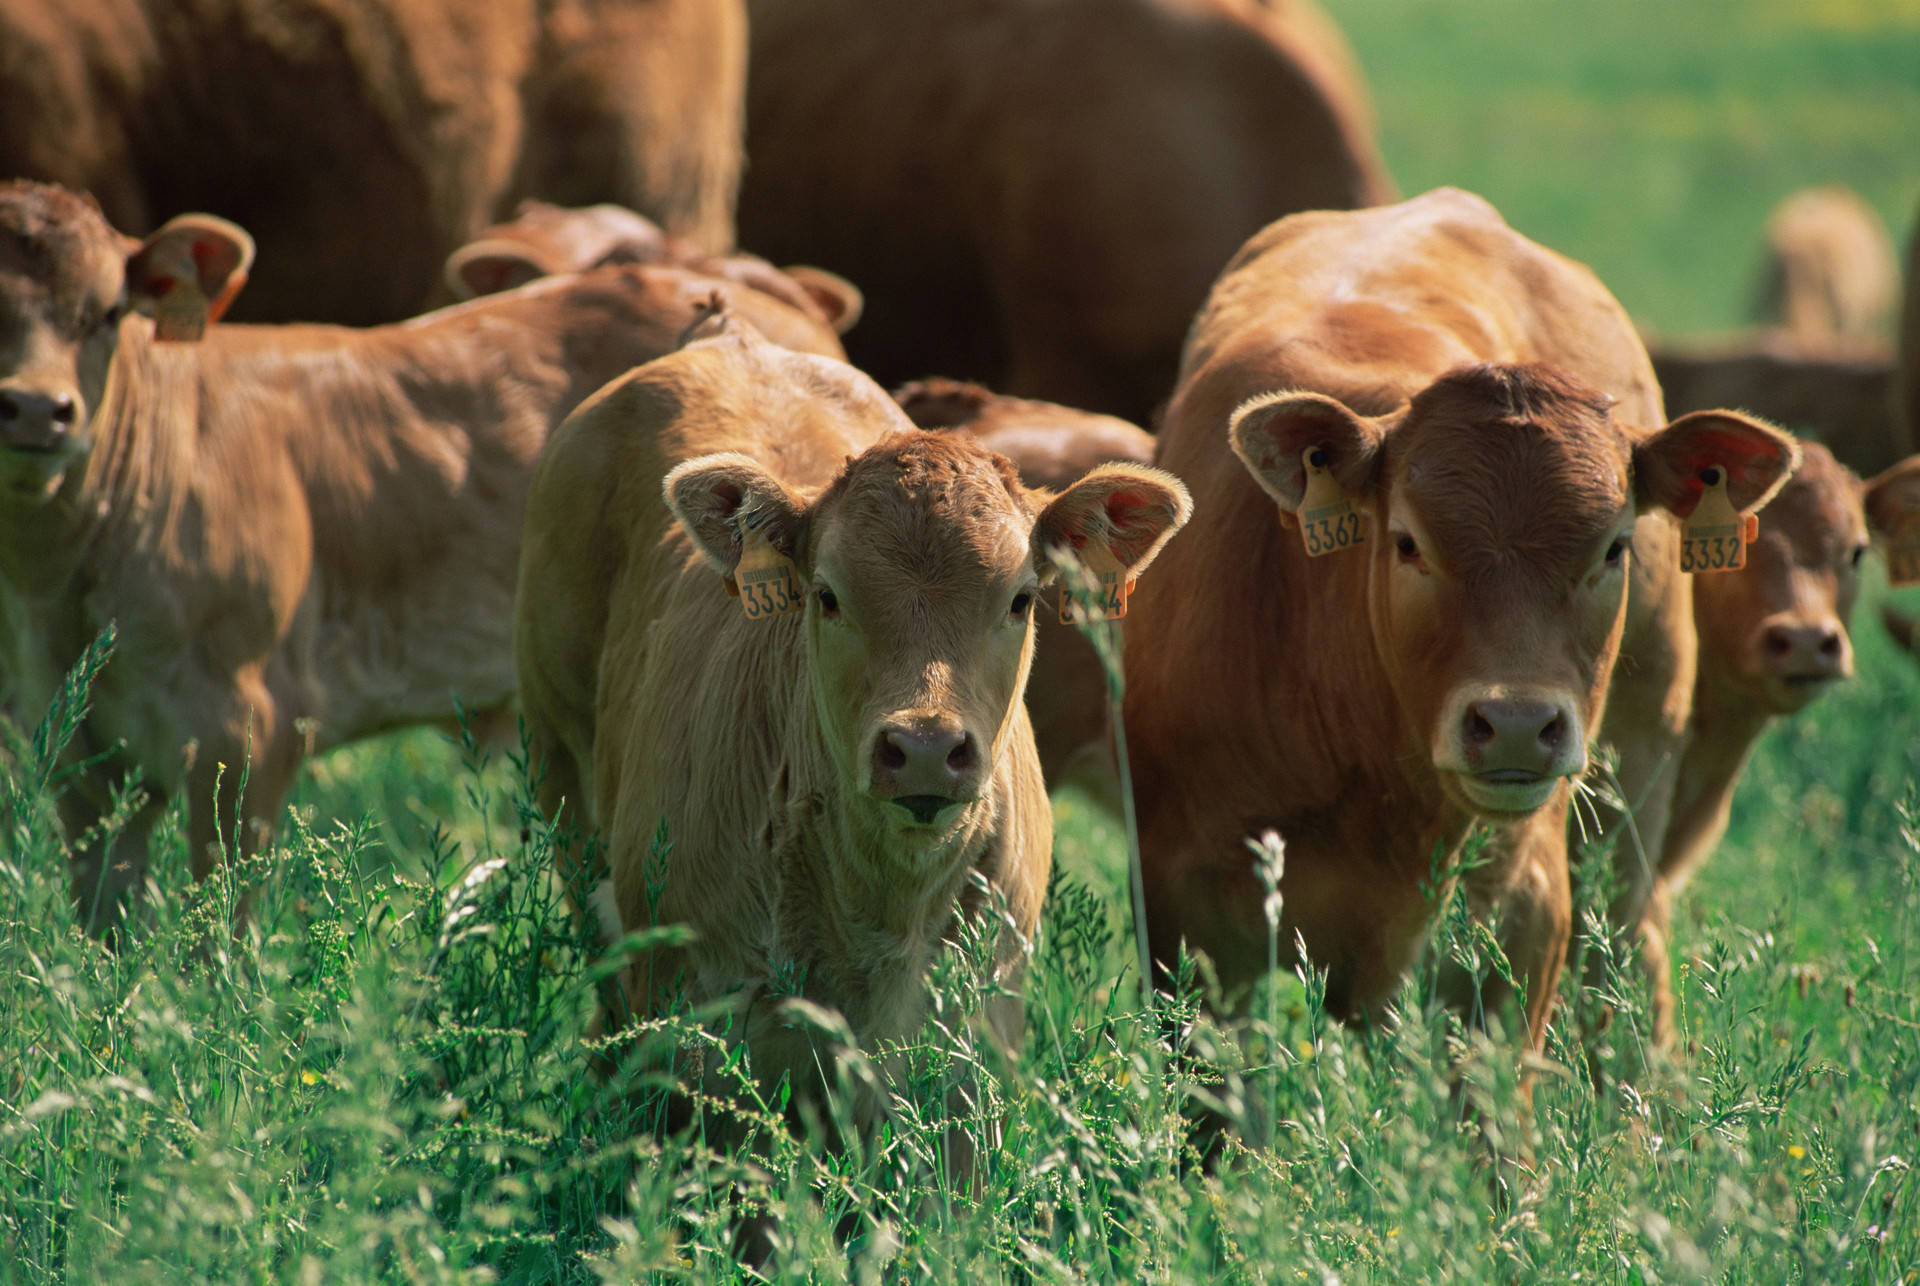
x,y
1103,600
1903,552
181,314
1714,536
1328,520
766,580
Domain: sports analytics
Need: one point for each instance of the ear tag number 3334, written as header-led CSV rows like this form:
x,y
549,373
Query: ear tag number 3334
x,y
1328,520
765,579
1715,535
1101,591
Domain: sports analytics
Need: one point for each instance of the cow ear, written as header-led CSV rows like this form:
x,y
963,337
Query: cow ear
x,y
720,498
1893,498
1756,457
1272,434
838,299
490,266
1119,515
188,272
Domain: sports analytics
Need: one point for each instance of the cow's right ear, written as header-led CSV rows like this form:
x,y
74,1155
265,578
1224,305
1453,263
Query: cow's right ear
x,y
188,272
489,266
1118,516
724,499
1668,466
1893,499
1272,434
839,300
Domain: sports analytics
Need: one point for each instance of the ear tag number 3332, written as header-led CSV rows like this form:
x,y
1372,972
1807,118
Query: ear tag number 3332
x,y
1715,535
1328,520
765,579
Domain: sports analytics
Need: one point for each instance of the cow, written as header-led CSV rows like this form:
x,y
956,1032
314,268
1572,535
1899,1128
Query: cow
x,y
1036,194
1893,511
844,778
1052,446
303,534
314,123
1829,271
1773,637
1466,448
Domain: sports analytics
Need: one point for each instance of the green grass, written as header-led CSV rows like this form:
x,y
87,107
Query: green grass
x,y
384,1079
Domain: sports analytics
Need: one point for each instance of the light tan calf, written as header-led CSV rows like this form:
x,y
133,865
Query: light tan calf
x,y
1829,272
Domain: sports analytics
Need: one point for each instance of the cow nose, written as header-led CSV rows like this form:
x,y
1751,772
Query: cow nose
x,y
1514,734
35,420
924,767
1806,649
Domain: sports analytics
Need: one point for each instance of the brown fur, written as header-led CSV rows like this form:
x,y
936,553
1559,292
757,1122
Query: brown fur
x,y
1829,270
361,142
651,696
1037,194
304,534
1489,401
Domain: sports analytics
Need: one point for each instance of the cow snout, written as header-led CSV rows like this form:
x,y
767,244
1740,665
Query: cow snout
x,y
36,420
1505,733
925,768
1509,749
1803,655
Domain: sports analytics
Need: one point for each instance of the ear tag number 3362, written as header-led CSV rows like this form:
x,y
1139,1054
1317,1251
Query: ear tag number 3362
x,y
1715,535
1328,520
765,579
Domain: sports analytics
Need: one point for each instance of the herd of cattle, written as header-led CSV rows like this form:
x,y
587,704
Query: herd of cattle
x,y
1442,530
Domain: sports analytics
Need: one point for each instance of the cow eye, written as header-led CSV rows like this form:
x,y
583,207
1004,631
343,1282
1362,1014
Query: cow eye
x,y
111,318
1408,548
1618,550
1021,602
1859,554
829,604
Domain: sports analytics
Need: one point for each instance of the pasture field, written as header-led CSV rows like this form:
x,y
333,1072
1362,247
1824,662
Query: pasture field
x,y
384,1078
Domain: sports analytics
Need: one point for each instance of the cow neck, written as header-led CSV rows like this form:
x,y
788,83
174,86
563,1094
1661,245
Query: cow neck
x,y
1724,728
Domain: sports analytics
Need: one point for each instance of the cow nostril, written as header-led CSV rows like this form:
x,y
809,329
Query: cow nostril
x,y
63,409
962,757
1830,644
1479,730
889,754
1555,731
9,408
1776,642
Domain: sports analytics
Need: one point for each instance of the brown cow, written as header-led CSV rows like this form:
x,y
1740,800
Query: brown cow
x,y
1052,446
1829,270
1474,410
1893,511
1773,636
832,776
361,142
305,534
1037,193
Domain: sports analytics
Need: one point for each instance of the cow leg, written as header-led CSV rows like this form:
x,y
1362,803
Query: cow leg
x,y
1523,892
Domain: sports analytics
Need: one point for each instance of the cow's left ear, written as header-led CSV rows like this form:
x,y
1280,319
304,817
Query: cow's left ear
x,y
491,265
1122,513
1668,465
1893,498
726,499
1272,434
838,299
187,273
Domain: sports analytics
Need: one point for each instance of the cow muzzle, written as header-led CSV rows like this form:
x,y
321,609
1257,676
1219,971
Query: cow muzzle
x,y
926,768
1506,750
1800,656
37,421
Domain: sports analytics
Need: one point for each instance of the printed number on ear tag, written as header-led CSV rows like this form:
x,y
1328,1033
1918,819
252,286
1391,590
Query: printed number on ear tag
x,y
1714,536
1328,520
1102,592
766,580
1903,553
180,315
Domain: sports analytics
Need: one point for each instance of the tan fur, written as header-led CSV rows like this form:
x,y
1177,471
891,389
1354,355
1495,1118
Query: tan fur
x,y
304,534
1053,446
651,696
1829,270
1489,401
1037,193
362,141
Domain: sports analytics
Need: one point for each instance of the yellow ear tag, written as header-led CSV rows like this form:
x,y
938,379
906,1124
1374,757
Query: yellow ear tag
x,y
1328,520
181,314
1106,599
1714,536
1903,552
765,580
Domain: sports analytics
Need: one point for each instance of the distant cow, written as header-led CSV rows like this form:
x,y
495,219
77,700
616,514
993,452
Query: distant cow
x,y
832,775
362,142
1465,425
1830,271
1052,446
304,534
1773,636
1036,194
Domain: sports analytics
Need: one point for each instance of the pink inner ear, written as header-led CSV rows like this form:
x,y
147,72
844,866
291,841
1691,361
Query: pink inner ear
x,y
1742,455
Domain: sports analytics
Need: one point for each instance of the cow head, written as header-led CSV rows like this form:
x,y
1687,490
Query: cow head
x,y
1502,502
1776,630
67,281
921,565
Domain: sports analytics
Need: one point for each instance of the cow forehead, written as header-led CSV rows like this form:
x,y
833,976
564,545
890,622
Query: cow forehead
x,y
927,509
1819,511
56,247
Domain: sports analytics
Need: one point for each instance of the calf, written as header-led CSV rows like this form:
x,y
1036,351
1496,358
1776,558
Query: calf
x,y
1829,272
833,775
1773,637
1477,416
1037,193
304,534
